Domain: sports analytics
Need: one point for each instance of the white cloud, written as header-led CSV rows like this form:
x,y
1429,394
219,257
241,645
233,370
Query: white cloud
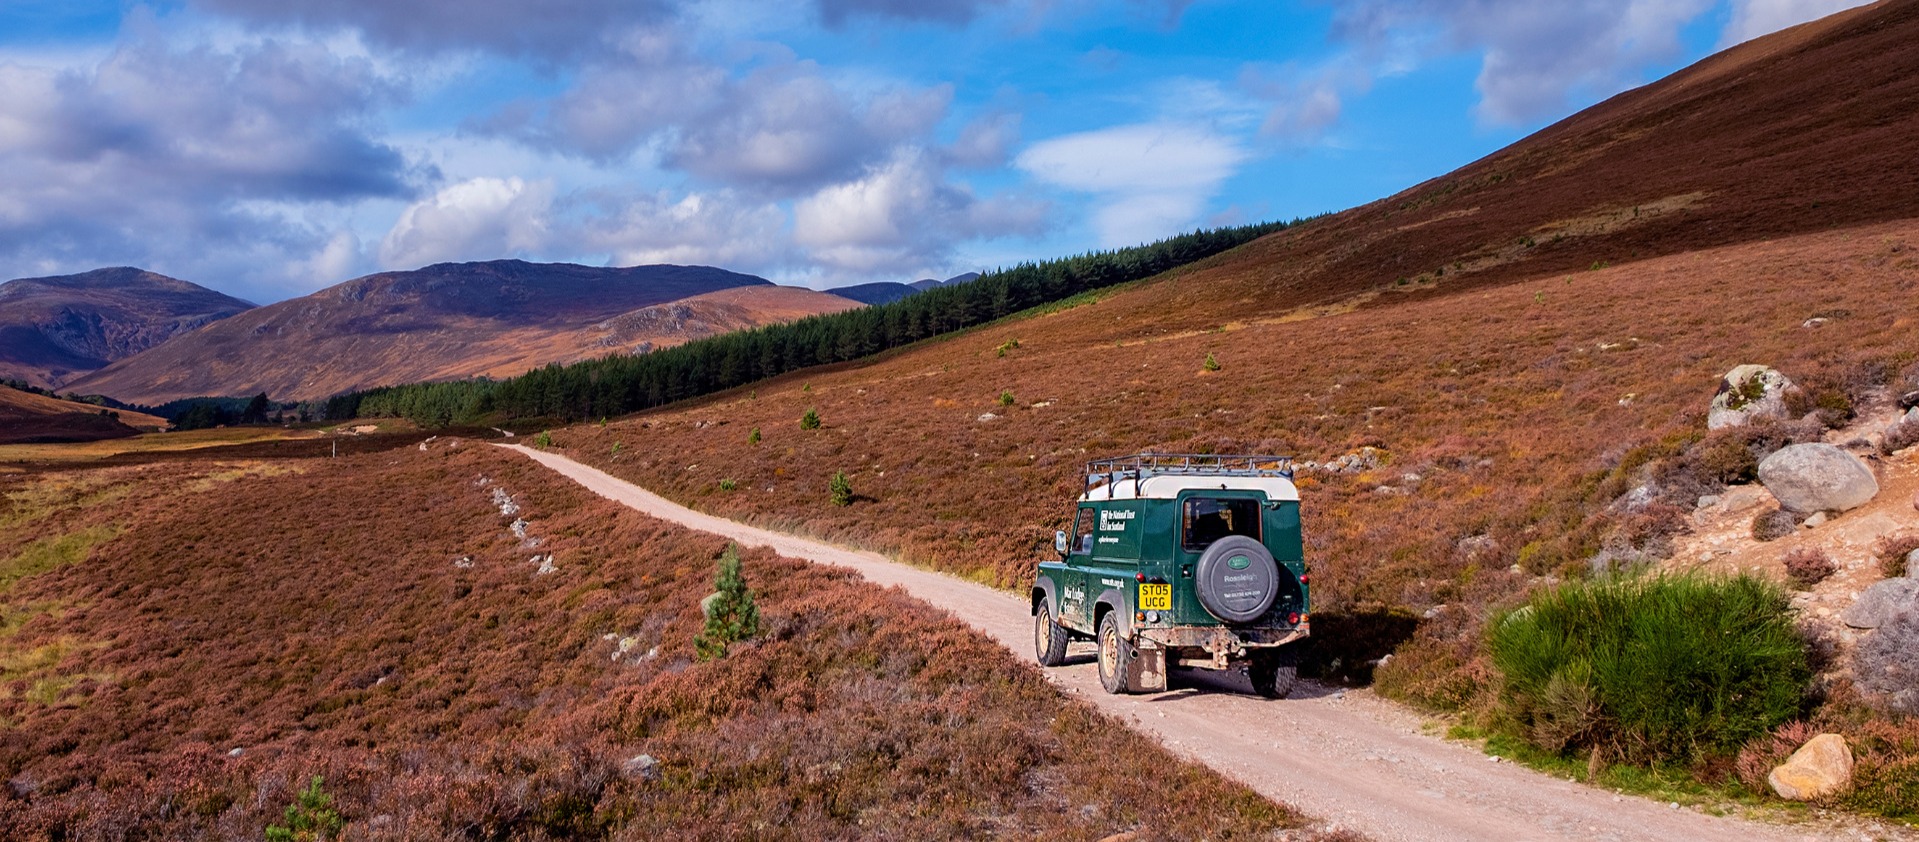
x,y
1753,18
1151,180
902,218
476,219
722,228
1537,58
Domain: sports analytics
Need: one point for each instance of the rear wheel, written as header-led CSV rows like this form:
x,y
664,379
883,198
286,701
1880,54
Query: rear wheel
x,y
1114,655
1273,674
1049,640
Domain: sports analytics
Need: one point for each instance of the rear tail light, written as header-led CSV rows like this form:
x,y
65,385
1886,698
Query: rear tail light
x,y
1304,577
1293,618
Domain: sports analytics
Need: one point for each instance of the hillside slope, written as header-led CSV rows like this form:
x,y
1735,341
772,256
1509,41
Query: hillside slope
x,y
1809,129
447,321
55,329
28,417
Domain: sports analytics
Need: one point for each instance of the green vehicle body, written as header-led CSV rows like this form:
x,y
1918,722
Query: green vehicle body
x,y
1141,529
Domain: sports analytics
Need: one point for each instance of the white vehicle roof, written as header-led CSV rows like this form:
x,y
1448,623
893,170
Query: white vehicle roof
x,y
1169,487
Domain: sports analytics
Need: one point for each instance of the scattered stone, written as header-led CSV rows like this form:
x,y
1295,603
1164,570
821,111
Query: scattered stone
x,y
546,565
1820,767
1818,477
642,766
1874,607
1815,321
1817,520
518,527
236,752
1474,546
1748,392
464,562
988,416
1707,501
1128,836
508,508
1909,400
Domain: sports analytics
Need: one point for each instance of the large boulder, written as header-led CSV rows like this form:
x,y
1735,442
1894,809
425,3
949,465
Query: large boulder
x,y
1821,767
1880,602
1817,477
1745,393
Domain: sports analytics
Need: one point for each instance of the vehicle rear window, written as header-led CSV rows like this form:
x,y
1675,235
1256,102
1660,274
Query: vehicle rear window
x,y
1208,519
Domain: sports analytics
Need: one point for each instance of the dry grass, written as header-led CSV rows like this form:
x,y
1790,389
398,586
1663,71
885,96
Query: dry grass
x,y
149,443
373,620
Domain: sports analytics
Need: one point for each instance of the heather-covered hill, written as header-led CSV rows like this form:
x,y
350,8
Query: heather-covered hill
x,y
29,417
451,321
1806,130
463,644
55,329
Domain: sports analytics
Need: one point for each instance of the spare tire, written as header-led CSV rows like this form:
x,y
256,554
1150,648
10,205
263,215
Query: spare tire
x,y
1236,579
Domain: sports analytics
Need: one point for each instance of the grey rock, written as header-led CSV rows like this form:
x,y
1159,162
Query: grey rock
x,y
1745,393
1817,520
642,766
1818,478
1880,602
1909,400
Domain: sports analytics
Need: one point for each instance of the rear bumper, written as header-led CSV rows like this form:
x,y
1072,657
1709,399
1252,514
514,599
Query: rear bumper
x,y
1222,645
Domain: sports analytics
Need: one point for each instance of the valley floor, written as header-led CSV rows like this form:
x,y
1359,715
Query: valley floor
x,y
1347,756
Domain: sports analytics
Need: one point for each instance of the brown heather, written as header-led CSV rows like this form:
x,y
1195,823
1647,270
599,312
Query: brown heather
x,y
310,613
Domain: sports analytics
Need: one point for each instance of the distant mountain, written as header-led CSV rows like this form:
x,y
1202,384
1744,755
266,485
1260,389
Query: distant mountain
x,y
881,292
925,284
26,417
53,330
449,321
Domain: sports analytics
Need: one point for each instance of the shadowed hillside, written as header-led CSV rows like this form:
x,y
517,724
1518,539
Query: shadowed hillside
x,y
53,330
449,321
26,417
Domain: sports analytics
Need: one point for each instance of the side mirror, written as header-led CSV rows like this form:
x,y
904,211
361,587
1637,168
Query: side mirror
x,y
1059,543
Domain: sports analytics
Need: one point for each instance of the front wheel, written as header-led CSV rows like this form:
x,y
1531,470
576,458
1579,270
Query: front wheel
x,y
1114,655
1049,640
1273,675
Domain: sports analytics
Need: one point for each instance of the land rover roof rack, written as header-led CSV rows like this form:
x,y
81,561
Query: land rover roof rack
x,y
1141,466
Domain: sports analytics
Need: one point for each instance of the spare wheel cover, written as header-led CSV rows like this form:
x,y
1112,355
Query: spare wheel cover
x,y
1236,579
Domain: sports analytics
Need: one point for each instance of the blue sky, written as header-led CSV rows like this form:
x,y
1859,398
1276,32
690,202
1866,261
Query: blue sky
x,y
268,148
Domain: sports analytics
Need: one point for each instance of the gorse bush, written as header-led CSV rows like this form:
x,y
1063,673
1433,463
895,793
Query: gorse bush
x,y
1659,668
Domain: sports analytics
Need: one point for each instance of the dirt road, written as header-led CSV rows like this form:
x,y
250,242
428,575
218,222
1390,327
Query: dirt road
x,y
1348,758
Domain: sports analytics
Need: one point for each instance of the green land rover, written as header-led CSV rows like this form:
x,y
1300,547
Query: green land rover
x,y
1179,560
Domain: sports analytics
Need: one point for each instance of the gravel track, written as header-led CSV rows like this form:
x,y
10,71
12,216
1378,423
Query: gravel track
x,y
1346,758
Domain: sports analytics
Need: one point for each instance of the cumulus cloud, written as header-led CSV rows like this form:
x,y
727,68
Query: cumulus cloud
x,y
902,217
1151,179
1303,104
1753,18
190,159
476,219
549,28
723,228
781,129
1536,57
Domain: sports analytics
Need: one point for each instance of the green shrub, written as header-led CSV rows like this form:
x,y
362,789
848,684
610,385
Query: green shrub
x,y
1211,363
544,439
753,437
842,489
811,420
1006,399
731,615
310,818
1650,669
1008,345
728,485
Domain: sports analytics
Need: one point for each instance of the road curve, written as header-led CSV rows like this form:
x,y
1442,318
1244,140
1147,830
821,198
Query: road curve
x,y
1348,759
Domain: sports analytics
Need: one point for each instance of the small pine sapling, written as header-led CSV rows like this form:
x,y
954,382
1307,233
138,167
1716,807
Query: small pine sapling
x,y
753,437
310,818
842,489
731,615
1005,398
544,439
811,420
1211,364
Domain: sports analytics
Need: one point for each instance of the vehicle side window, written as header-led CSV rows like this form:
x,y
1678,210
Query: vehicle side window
x,y
1083,533
1204,520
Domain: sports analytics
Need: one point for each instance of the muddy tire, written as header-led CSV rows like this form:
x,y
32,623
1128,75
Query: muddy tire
x,y
1049,639
1273,675
1115,656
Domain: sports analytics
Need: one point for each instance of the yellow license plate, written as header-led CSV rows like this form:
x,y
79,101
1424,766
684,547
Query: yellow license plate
x,y
1155,597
